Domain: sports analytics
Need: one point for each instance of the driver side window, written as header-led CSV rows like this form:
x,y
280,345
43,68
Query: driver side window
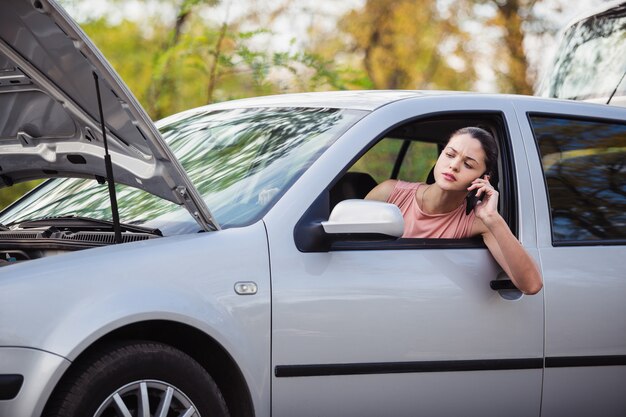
x,y
397,158
409,153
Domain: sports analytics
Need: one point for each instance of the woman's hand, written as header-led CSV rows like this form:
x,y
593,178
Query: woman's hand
x,y
487,208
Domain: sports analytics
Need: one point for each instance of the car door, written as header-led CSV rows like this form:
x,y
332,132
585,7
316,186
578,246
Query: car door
x,y
579,165
401,330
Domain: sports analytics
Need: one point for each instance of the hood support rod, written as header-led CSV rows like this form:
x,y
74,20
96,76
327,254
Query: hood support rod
x,y
109,169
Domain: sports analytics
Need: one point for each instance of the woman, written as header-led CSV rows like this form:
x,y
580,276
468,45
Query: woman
x,y
439,210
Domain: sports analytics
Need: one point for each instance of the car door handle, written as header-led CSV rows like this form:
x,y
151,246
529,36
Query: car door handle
x,y
502,284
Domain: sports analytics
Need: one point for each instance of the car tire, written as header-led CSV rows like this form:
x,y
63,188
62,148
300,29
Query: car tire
x,y
125,379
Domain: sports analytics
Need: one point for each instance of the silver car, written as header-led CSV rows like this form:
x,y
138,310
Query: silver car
x,y
223,261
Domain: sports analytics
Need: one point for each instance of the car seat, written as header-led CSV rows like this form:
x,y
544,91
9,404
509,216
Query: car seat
x,y
351,185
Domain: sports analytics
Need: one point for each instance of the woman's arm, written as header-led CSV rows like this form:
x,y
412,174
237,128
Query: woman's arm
x,y
382,191
504,247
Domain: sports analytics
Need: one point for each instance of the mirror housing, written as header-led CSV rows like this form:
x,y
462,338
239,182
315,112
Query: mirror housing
x,y
366,217
350,221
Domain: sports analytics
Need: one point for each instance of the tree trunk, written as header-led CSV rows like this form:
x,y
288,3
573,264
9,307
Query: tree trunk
x,y
517,76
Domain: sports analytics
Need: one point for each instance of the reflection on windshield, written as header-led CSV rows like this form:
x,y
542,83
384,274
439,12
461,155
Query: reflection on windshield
x,y
592,58
241,161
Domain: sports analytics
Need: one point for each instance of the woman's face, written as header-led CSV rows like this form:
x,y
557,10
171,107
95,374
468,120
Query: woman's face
x,y
460,163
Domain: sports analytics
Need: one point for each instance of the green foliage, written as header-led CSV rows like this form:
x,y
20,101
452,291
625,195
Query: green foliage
x,y
132,50
512,19
202,63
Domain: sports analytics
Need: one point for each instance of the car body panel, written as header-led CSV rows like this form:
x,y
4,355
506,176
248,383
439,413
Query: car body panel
x,y
100,295
430,394
39,47
387,308
41,371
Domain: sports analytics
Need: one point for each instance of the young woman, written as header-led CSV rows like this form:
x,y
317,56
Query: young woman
x,y
439,210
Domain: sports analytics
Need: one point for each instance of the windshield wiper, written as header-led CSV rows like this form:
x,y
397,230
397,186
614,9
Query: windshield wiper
x,y
78,223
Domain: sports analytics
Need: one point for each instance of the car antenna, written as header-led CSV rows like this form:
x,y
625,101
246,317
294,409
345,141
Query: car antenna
x,y
616,87
109,169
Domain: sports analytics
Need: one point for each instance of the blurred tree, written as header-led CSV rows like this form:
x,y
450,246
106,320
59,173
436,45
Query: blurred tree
x,y
442,44
511,19
164,84
131,49
405,44
511,15
197,62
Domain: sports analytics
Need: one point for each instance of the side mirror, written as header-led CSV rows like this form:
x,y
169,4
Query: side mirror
x,y
350,221
365,217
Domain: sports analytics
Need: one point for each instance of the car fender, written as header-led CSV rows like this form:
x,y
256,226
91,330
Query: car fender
x,y
65,303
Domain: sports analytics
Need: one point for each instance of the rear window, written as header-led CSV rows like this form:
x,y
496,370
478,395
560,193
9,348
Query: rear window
x,y
584,164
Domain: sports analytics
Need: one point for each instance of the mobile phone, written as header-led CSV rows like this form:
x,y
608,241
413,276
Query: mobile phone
x,y
471,198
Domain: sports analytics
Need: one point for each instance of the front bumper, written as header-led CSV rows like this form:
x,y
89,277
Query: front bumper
x,y
40,372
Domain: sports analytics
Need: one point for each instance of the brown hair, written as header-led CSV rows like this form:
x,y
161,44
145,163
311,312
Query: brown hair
x,y
489,145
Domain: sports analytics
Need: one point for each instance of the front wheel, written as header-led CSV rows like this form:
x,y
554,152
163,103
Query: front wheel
x,y
137,379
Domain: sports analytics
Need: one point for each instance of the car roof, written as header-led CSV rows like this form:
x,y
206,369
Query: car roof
x,y
353,99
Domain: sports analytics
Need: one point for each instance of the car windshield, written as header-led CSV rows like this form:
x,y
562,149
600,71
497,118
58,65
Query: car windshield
x,y
592,58
240,160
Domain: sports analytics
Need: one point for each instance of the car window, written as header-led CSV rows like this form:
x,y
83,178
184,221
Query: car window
x,y
590,60
584,164
409,152
242,160
415,163
379,160
419,160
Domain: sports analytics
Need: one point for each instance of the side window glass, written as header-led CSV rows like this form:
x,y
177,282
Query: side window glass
x,y
419,160
584,164
379,160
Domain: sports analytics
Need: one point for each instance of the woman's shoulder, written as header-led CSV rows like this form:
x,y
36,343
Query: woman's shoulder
x,y
406,185
382,191
385,189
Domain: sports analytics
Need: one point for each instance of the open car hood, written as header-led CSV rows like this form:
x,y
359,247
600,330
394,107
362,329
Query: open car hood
x,y
49,115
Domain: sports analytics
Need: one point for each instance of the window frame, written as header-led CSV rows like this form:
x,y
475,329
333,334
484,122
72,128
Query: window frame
x,y
509,209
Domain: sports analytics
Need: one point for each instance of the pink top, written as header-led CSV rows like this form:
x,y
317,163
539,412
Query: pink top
x,y
455,224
